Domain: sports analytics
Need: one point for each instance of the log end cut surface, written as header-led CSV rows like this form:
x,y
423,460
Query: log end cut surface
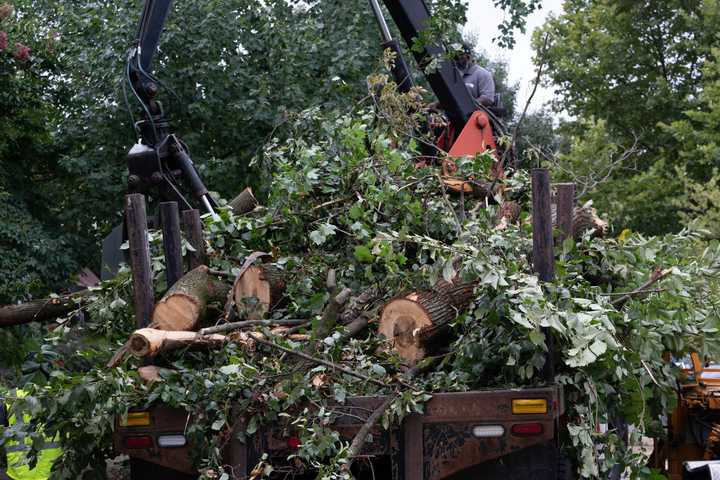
x,y
401,322
176,312
140,345
253,285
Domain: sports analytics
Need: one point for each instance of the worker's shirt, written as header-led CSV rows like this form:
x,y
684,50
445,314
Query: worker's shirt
x,y
480,83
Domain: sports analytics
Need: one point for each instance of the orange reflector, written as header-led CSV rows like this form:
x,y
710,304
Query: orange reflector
x,y
526,406
527,429
136,419
144,441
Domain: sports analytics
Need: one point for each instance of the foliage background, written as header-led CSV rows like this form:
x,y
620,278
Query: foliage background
x,y
637,74
630,74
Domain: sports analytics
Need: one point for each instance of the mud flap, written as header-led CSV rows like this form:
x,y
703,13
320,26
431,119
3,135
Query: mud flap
x,y
702,470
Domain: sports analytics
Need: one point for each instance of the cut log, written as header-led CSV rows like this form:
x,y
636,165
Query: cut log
x,y
150,373
244,203
585,218
185,304
42,309
259,290
417,324
148,342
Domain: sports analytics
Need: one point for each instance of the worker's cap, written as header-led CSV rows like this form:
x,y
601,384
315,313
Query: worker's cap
x,y
462,47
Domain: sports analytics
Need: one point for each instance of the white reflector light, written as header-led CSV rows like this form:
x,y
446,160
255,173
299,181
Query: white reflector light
x,y
488,431
169,441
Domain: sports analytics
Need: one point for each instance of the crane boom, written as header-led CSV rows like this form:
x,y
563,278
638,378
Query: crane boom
x,y
411,18
155,13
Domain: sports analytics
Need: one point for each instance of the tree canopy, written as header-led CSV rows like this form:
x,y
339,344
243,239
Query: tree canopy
x,y
635,66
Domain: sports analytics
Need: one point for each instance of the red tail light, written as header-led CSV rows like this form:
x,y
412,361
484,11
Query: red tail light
x,y
527,429
293,442
144,441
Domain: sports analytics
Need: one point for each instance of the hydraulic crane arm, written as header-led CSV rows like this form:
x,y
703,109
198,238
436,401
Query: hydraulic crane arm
x,y
400,70
160,158
411,17
154,15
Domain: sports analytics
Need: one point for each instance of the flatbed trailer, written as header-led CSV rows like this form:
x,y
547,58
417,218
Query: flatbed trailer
x,y
490,434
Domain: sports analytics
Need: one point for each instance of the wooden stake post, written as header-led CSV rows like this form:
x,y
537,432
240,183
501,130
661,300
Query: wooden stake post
x,y
565,205
136,221
543,253
192,226
172,242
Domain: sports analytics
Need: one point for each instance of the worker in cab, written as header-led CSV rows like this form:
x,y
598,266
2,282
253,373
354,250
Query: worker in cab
x,y
13,463
479,81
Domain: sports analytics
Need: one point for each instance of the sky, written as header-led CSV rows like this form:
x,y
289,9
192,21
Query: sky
x,y
483,19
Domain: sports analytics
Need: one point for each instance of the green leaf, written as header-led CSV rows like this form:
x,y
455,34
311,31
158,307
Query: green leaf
x,y
252,425
537,337
449,272
320,235
230,369
598,347
363,254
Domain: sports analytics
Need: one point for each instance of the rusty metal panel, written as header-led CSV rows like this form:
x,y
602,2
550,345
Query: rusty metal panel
x,y
491,404
449,448
427,447
441,443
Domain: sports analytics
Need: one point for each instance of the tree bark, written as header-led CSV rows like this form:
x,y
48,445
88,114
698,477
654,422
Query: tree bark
x,y
244,203
418,323
227,327
259,289
185,304
585,218
148,342
42,309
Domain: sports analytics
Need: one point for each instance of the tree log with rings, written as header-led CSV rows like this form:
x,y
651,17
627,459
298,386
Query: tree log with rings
x,y
418,323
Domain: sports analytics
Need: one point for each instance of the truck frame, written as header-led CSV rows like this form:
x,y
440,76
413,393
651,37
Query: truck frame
x,y
504,434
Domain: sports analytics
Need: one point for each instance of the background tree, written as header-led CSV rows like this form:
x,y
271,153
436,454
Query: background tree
x,y
635,66
699,153
34,243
